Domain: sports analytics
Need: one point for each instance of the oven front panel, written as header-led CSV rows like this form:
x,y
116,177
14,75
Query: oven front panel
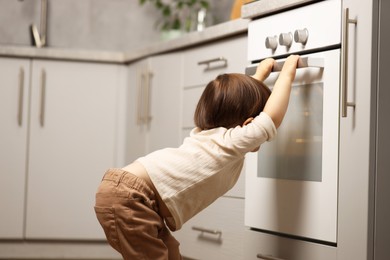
x,y
298,30
291,183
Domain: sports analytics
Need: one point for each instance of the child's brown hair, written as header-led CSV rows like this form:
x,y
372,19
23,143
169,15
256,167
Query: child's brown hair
x,y
229,100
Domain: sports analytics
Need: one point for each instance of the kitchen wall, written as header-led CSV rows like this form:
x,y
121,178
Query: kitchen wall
x,y
89,24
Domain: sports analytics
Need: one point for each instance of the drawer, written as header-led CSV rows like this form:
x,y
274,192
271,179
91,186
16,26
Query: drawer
x,y
258,243
226,217
232,50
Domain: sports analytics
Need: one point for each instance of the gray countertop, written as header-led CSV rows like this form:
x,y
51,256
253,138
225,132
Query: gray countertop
x,y
212,33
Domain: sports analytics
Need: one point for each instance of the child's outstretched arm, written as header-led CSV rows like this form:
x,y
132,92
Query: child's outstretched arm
x,y
277,103
264,69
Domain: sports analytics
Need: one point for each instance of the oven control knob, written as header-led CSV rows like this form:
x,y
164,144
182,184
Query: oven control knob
x,y
271,42
301,36
285,39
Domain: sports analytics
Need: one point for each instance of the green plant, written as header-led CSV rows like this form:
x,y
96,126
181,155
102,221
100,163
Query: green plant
x,y
177,14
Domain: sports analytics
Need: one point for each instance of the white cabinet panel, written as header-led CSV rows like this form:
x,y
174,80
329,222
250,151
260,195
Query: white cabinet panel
x,y
14,92
225,217
153,117
165,93
72,143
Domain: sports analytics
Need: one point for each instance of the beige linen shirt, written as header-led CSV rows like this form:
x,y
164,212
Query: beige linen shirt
x,y
208,163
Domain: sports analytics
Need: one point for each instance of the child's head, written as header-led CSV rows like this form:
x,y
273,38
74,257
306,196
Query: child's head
x,y
229,100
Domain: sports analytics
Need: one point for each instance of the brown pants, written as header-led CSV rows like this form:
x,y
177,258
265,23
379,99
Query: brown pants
x,y
128,212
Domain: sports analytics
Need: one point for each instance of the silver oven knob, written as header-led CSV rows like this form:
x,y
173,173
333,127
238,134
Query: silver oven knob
x,y
271,42
285,39
301,36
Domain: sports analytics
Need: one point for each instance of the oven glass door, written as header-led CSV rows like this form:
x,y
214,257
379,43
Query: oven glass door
x,y
291,183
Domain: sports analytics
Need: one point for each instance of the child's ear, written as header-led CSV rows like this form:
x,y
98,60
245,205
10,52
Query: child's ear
x,y
247,121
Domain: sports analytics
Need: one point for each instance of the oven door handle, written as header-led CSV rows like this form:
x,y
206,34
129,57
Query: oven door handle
x,y
304,62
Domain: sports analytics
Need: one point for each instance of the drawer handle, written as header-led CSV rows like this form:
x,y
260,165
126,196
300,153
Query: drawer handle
x,y
209,62
267,257
209,231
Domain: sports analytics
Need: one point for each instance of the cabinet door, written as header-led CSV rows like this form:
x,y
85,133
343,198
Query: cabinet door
x,y
72,142
14,92
165,92
153,109
358,136
135,115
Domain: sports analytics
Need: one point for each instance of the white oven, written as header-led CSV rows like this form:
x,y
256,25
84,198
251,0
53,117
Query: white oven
x,y
292,182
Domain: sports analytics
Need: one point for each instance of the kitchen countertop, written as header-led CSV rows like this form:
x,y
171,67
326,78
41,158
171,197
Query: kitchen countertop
x,y
212,33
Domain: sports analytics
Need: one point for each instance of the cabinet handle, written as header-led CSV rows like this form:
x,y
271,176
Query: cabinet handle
x,y
43,93
208,62
147,116
344,63
140,98
21,95
143,113
267,257
206,230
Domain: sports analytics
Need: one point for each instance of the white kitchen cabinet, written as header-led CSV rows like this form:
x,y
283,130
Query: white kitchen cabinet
x,y
359,195
14,93
72,141
217,231
59,133
153,120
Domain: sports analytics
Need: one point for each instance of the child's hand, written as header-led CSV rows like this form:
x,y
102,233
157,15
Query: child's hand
x,y
264,69
289,68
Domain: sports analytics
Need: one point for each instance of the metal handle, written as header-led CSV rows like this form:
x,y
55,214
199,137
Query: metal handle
x,y
206,230
148,117
140,98
344,63
208,62
43,96
267,257
21,95
304,62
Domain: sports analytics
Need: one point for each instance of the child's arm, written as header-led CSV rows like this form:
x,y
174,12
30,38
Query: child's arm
x,y
277,103
264,69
